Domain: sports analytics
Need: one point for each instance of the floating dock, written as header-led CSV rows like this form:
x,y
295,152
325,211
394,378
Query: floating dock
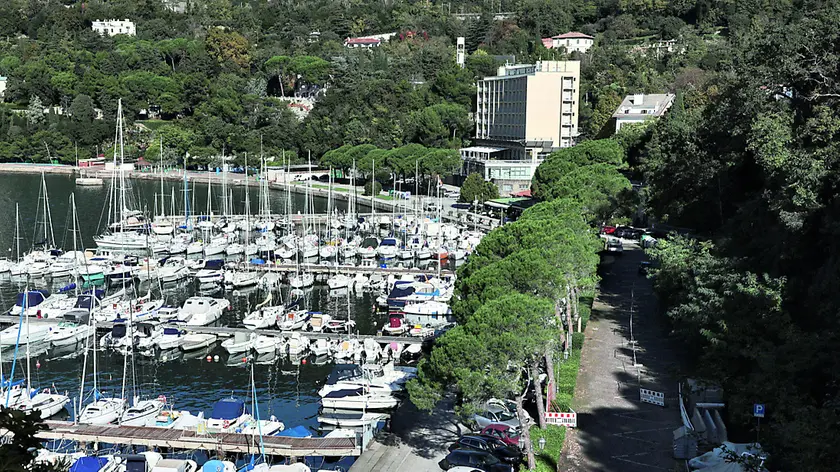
x,y
191,440
229,331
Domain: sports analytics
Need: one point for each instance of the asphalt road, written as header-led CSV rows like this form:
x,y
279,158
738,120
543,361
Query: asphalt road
x,y
616,431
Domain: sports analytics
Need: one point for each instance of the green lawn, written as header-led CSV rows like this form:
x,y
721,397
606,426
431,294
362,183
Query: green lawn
x,y
327,187
547,458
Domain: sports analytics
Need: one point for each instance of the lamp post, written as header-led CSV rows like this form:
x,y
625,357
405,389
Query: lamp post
x,y
541,442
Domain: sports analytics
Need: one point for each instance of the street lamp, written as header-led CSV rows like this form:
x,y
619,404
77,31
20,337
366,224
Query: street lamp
x,y
521,443
541,442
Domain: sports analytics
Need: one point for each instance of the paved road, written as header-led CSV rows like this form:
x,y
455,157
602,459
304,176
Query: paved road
x,y
616,431
418,442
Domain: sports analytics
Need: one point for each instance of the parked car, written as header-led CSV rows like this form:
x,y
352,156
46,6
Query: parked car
x,y
607,229
494,413
502,432
505,453
614,245
644,267
479,460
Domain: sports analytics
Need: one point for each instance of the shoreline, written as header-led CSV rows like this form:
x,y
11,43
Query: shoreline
x,y
340,192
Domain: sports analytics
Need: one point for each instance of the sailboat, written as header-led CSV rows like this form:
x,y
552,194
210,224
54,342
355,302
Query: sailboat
x,y
162,226
141,412
102,410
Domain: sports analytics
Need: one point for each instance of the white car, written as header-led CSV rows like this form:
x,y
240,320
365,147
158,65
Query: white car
x,y
614,245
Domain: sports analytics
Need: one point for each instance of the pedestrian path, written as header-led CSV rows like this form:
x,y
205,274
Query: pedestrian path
x,y
616,431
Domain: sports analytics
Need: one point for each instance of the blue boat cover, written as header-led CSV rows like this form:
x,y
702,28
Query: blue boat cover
x,y
388,242
215,264
257,261
33,297
296,432
213,466
171,331
67,288
350,392
228,409
88,302
88,464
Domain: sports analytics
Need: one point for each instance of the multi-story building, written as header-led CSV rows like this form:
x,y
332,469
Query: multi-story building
x,y
113,27
571,42
523,114
639,107
3,82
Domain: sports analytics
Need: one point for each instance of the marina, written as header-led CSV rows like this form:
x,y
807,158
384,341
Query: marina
x,y
299,309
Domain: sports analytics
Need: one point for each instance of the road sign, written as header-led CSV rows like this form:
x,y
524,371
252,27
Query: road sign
x,y
652,397
561,419
758,410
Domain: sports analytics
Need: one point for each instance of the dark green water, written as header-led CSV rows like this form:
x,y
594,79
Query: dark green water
x,y
286,389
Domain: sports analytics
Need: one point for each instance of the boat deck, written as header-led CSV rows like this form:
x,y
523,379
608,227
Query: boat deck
x,y
192,440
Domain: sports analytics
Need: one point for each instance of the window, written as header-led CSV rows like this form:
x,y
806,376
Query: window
x,y
507,188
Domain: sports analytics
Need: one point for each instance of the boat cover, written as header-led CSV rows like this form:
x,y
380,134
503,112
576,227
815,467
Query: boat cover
x,y
228,409
295,432
215,264
342,372
171,331
350,392
88,464
33,297
88,301
213,466
395,321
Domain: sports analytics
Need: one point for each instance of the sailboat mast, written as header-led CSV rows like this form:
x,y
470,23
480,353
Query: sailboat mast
x,y
17,229
123,207
162,201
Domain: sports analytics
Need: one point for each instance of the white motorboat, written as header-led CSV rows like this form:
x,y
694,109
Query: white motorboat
x,y
239,343
360,398
143,412
350,419
371,351
178,247
396,325
292,320
195,247
317,321
32,299
173,269
296,344
202,311
374,378
263,317
175,465
228,414
211,272
103,411
215,247
405,253
368,247
387,248
429,313
349,251
196,341
34,333
423,253
335,325
46,402
235,249
171,338
347,350
328,251
305,279
242,278
71,330
360,282
338,281
321,347
264,344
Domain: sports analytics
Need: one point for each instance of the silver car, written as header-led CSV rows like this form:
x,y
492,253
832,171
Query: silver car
x,y
495,413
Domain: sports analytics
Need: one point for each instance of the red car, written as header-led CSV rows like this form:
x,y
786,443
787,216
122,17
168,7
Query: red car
x,y
501,432
607,229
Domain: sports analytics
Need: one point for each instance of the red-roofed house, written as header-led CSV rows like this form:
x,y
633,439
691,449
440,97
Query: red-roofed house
x,y
573,41
362,42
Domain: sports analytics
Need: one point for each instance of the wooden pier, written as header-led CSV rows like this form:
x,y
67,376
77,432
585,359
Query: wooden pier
x,y
224,331
191,440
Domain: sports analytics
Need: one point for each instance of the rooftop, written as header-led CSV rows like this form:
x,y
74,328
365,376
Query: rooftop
x,y
362,41
572,35
654,104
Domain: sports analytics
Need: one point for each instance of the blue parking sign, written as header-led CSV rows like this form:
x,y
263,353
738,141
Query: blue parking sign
x,y
758,410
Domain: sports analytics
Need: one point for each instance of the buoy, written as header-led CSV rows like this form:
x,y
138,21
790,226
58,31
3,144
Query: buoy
x,y
303,362
216,358
209,358
38,364
244,359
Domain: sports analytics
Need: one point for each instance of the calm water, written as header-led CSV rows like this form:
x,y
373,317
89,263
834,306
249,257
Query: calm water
x,y
286,388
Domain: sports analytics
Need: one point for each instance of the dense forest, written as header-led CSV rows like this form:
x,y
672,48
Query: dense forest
x,y
216,75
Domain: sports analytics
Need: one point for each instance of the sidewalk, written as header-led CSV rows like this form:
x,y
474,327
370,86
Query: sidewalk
x,y
616,431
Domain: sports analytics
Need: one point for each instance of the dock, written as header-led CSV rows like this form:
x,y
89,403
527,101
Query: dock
x,y
343,269
191,440
225,331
